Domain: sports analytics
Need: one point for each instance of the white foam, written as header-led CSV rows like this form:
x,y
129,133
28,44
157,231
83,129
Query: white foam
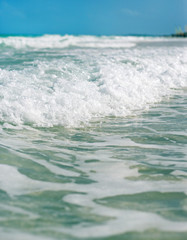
x,y
111,180
57,41
179,173
15,183
88,84
125,221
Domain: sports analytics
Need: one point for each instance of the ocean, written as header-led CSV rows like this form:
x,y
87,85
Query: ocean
x,y
93,138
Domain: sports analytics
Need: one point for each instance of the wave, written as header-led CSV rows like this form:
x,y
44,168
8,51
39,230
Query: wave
x,y
58,41
83,85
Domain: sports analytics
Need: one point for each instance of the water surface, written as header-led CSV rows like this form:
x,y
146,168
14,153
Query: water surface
x,y
93,138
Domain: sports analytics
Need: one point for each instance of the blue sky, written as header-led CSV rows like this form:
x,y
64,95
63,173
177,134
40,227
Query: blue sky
x,y
98,17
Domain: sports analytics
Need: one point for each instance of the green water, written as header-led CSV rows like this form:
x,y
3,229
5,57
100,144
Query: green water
x,y
122,178
93,136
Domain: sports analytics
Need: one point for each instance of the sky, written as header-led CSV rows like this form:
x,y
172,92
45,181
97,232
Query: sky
x,y
92,17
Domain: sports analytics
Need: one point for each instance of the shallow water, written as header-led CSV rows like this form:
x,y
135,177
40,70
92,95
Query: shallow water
x,y
93,138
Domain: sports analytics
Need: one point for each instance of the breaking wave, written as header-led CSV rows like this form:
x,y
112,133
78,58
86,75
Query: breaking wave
x,y
70,87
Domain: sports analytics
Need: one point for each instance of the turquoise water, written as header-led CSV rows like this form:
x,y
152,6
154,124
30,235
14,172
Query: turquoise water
x,y
93,138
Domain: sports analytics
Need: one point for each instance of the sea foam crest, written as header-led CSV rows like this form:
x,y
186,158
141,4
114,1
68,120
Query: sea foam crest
x,y
57,41
82,85
66,41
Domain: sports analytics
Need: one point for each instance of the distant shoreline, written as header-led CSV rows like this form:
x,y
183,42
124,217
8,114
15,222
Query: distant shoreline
x,y
180,35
